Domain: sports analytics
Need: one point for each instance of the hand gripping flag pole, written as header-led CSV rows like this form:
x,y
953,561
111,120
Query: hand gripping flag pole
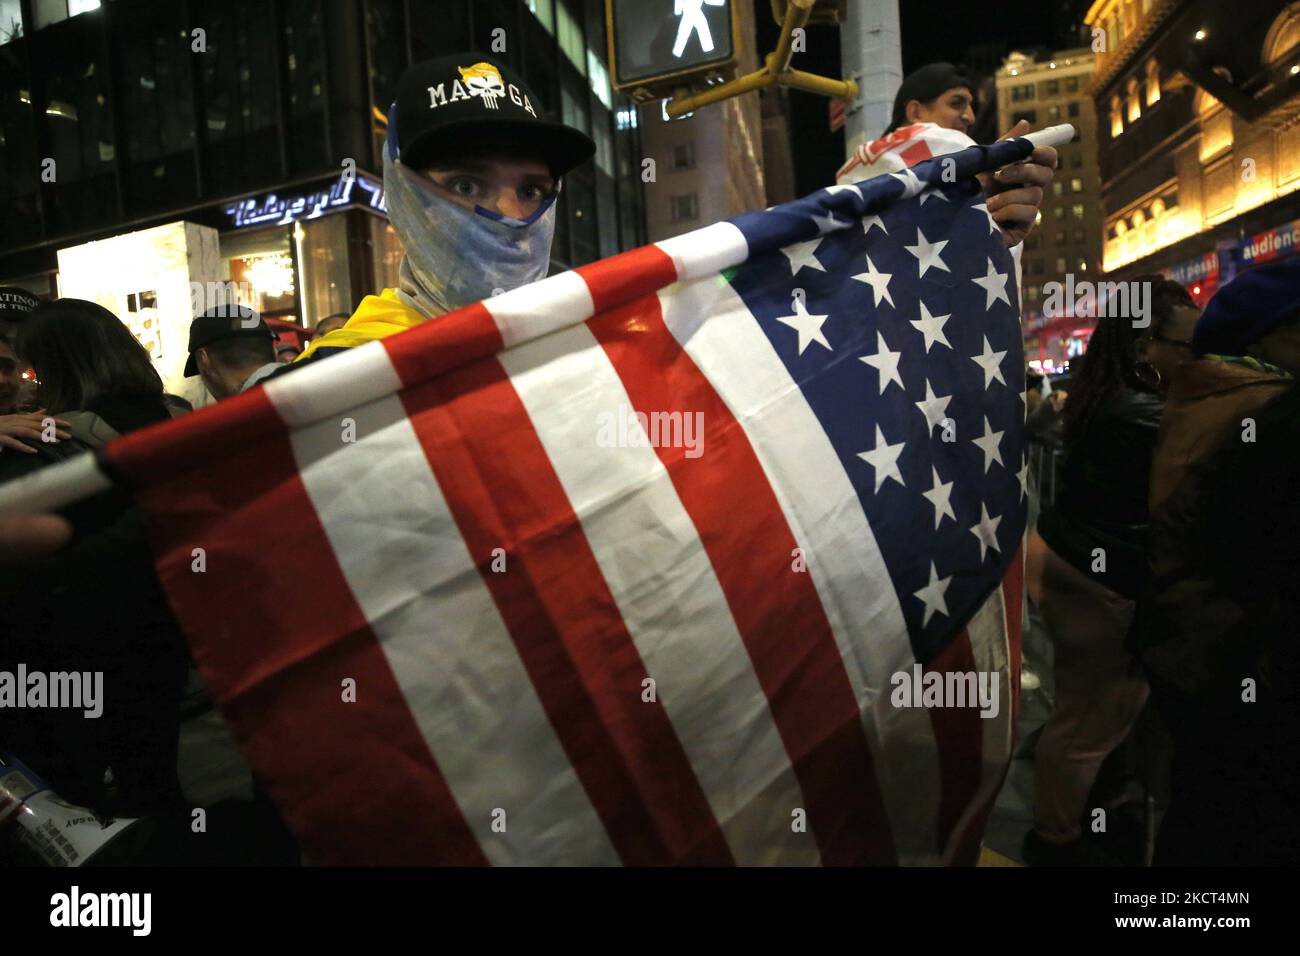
x,y
326,389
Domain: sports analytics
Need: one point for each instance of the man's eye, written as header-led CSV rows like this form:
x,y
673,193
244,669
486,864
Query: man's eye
x,y
532,193
463,187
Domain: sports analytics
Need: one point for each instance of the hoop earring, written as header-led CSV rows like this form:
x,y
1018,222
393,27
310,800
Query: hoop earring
x,y
1148,375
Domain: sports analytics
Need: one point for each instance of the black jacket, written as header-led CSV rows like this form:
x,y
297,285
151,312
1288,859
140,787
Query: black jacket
x,y
1101,501
96,605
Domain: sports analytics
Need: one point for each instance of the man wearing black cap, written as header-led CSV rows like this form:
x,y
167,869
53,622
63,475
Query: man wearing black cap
x,y
944,95
472,170
15,303
938,93
232,349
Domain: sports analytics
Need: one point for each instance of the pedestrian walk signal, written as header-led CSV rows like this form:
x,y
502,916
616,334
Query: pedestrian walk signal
x,y
657,46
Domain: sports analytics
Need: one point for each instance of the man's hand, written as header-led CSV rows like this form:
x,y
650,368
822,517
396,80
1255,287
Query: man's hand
x,y
31,536
17,430
1015,192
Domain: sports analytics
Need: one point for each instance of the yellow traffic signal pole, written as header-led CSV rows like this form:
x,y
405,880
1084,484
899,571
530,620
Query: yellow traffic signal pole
x,y
776,71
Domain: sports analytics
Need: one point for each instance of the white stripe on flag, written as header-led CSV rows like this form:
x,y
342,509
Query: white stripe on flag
x,y
991,650
655,565
445,641
706,251
719,333
538,309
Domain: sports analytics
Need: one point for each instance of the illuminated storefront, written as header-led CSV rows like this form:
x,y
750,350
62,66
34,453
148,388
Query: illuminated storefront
x,y
268,132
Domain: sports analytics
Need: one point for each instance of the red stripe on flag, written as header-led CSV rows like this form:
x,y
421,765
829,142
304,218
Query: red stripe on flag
x,y
918,151
967,850
628,276
504,493
777,609
275,631
456,339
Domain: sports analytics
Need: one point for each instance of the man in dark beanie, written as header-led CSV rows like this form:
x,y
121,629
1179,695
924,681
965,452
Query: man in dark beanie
x,y
1192,633
1257,314
938,93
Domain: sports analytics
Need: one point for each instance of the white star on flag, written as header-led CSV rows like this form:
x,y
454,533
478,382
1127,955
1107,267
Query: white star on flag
x,y
988,443
990,362
932,595
886,363
933,192
994,285
808,326
911,185
933,407
873,220
931,326
829,223
884,459
1023,476
983,207
987,531
801,254
879,282
940,496
927,253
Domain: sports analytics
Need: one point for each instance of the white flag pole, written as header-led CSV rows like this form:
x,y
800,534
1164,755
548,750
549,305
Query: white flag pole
x,y
50,489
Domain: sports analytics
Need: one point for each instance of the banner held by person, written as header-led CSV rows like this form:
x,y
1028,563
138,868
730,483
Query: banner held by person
x,y
456,613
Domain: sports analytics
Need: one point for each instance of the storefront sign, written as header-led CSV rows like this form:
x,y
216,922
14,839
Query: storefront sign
x,y
1204,267
351,189
1276,243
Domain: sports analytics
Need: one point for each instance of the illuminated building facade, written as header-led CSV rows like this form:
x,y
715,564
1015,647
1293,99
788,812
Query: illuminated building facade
x,y
263,120
1049,89
1198,104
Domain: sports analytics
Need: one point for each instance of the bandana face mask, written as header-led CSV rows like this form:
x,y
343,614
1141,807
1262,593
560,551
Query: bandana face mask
x,y
457,256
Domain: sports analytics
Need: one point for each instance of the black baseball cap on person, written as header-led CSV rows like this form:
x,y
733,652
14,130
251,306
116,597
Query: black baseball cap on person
x,y
224,322
15,303
455,99
925,84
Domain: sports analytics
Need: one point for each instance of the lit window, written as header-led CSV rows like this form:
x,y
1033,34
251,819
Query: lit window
x,y
544,11
1076,185
1134,104
599,77
1153,82
1077,211
1116,117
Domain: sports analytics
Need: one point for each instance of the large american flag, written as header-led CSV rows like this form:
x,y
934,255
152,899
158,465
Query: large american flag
x,y
563,652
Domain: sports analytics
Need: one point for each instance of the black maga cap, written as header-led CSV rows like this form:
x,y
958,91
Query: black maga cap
x,y
925,84
15,303
224,322
453,99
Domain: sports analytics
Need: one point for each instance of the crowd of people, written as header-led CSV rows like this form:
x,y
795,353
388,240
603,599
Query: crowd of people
x,y
1164,567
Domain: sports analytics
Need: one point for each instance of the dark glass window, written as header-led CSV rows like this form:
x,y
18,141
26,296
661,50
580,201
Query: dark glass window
x,y
305,86
19,165
386,33
157,106
580,202
438,27
491,16
239,79
540,71
79,117
1073,109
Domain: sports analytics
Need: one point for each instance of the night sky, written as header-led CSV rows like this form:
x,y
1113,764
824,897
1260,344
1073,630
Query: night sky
x,y
978,33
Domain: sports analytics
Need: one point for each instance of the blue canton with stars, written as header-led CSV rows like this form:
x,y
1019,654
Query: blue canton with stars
x,y
897,317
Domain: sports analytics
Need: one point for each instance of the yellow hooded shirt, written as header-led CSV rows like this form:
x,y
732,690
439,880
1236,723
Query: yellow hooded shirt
x,y
377,317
